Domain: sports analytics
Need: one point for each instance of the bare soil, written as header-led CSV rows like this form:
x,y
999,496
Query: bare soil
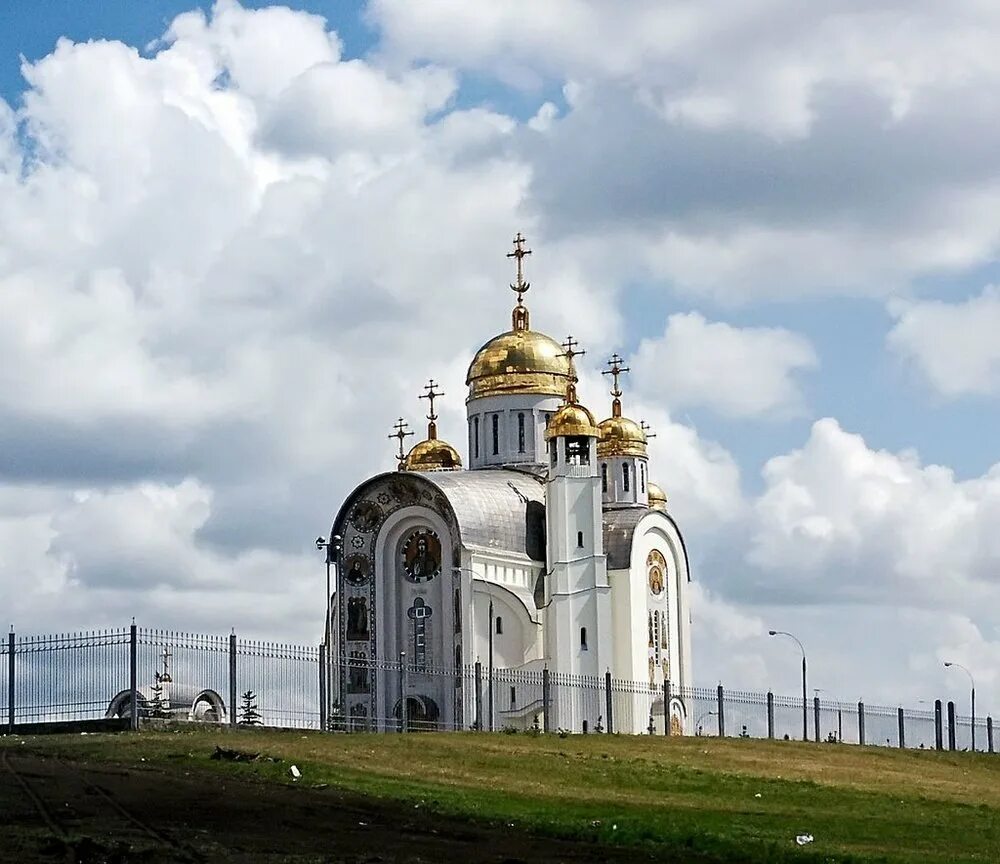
x,y
57,811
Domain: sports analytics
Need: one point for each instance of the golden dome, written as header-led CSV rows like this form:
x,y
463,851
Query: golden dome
x,y
571,420
519,361
621,437
432,455
657,497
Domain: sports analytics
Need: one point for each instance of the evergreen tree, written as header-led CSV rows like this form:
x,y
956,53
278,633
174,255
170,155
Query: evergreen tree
x,y
249,715
156,707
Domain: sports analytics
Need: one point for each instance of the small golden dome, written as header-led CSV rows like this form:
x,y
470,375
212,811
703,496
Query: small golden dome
x,y
521,362
621,437
571,420
657,497
432,455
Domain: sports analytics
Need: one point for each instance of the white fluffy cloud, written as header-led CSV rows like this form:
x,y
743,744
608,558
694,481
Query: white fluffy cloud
x,y
737,371
954,346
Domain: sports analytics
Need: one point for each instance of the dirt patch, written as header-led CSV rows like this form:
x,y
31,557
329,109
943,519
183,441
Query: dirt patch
x,y
57,811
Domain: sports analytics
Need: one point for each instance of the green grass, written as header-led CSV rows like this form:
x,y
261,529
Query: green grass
x,y
728,799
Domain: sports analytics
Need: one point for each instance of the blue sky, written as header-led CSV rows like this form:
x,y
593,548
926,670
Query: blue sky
x,y
231,265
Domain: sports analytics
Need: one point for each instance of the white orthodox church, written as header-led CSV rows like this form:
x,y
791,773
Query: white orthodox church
x,y
552,550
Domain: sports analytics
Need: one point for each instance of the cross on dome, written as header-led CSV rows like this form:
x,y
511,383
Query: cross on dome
x,y
430,396
520,315
569,352
646,429
401,433
615,371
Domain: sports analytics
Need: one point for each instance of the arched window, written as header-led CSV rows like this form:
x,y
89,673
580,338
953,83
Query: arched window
x,y
496,434
626,477
583,638
499,625
604,478
520,432
579,539
475,436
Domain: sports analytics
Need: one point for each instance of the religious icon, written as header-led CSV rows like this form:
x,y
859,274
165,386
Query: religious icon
x,y
366,516
357,671
657,567
358,567
422,556
357,619
359,716
404,491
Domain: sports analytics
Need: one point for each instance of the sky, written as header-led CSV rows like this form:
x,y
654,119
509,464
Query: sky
x,y
235,241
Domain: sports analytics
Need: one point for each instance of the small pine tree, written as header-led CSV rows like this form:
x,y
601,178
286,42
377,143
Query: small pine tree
x,y
249,715
156,706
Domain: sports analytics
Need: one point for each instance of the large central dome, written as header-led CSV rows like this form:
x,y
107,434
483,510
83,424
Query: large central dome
x,y
521,362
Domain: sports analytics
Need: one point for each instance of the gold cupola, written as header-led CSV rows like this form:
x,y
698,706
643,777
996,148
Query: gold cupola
x,y
657,497
572,420
619,436
520,361
432,454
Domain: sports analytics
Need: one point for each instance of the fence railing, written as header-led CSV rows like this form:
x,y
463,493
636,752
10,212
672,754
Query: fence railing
x,y
135,673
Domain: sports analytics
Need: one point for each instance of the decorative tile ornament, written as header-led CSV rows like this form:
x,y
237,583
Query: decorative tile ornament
x,y
366,516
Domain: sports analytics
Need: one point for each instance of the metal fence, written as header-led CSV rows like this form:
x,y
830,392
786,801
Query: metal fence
x,y
134,673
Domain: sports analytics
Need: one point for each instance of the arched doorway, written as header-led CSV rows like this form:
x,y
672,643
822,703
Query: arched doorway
x,y
421,713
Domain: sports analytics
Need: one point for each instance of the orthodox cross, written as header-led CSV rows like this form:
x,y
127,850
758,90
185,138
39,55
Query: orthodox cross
x,y
401,433
418,613
430,396
166,665
569,352
615,370
519,252
646,429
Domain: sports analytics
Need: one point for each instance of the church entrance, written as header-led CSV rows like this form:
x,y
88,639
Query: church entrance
x,y
421,713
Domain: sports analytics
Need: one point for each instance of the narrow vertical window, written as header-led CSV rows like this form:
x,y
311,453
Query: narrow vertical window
x,y
520,432
579,539
604,478
475,436
499,625
583,638
513,697
626,477
642,478
496,434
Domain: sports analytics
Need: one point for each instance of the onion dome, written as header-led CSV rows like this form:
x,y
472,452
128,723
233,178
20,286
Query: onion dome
x,y
657,497
572,419
432,454
520,361
619,435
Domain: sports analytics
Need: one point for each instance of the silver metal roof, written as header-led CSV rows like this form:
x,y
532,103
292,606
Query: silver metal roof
x,y
496,508
619,526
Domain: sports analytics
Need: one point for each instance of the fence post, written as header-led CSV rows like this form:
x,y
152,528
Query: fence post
x,y
902,728
951,725
133,676
608,701
403,719
861,723
989,734
938,726
546,700
816,718
232,678
479,696
666,706
721,712
770,714
324,721
10,681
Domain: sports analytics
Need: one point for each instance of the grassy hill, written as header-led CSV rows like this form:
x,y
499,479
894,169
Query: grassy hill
x,y
707,798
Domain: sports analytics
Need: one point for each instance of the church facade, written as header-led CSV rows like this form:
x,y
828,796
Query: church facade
x,y
553,549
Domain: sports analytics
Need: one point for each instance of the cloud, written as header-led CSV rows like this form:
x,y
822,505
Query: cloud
x,y
953,346
738,372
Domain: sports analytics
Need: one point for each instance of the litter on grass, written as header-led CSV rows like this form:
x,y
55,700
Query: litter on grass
x,y
804,839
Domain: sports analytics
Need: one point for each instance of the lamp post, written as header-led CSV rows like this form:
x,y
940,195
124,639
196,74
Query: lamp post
x,y
333,548
697,723
972,681
805,698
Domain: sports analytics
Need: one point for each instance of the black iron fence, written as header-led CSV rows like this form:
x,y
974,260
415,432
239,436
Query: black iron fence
x,y
134,673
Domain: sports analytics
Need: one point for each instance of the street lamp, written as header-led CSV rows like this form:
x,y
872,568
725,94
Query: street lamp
x,y
805,698
972,681
697,723
333,548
